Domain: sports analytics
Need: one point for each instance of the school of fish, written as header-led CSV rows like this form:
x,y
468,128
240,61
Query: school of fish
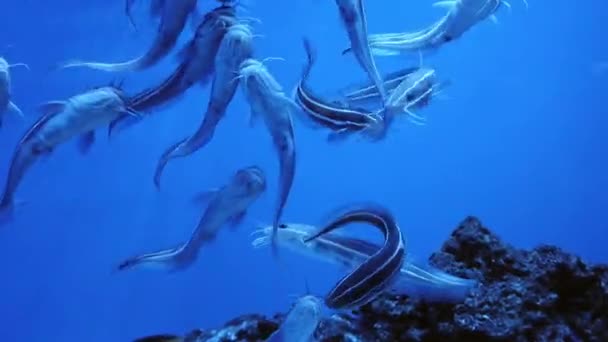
x,y
221,52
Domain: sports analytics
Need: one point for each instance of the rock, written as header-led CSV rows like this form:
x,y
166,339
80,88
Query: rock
x,y
544,294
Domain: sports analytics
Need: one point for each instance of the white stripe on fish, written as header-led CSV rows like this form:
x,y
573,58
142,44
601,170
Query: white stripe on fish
x,y
415,279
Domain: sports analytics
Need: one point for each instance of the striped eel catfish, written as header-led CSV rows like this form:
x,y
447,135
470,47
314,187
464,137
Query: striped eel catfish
x,y
267,100
197,64
228,204
379,270
352,13
235,48
341,119
414,279
78,116
462,16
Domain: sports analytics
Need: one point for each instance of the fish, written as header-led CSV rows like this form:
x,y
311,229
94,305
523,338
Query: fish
x,y
301,321
267,100
366,94
197,65
341,119
461,17
226,205
5,89
415,91
235,48
352,13
79,116
379,270
173,16
359,111
415,279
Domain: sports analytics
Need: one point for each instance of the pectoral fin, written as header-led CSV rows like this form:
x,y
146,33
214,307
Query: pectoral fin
x,y
13,107
86,141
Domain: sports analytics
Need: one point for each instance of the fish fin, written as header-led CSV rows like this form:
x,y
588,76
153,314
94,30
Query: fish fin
x,y
13,107
383,52
347,50
493,19
448,4
52,107
202,198
237,219
85,141
339,135
160,338
129,65
170,259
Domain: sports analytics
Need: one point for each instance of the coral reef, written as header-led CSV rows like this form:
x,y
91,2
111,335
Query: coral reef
x,y
544,294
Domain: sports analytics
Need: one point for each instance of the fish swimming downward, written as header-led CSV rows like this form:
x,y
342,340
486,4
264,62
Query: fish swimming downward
x,y
415,279
197,65
173,15
462,16
5,89
352,13
227,205
235,48
378,272
301,321
80,115
267,100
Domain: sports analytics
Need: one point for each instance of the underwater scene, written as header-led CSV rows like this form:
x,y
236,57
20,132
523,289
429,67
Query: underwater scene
x,y
322,170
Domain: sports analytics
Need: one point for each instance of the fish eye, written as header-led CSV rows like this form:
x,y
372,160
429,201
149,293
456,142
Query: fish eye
x,y
283,226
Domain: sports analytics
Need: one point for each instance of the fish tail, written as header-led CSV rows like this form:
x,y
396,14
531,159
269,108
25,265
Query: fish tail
x,y
170,153
132,65
432,284
171,259
7,210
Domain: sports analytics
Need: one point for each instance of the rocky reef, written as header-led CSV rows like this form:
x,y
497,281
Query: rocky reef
x,y
544,294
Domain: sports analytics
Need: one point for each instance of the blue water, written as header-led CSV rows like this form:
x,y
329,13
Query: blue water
x,y
518,140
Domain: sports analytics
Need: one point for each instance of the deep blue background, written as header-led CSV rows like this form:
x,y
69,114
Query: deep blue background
x,y
518,140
